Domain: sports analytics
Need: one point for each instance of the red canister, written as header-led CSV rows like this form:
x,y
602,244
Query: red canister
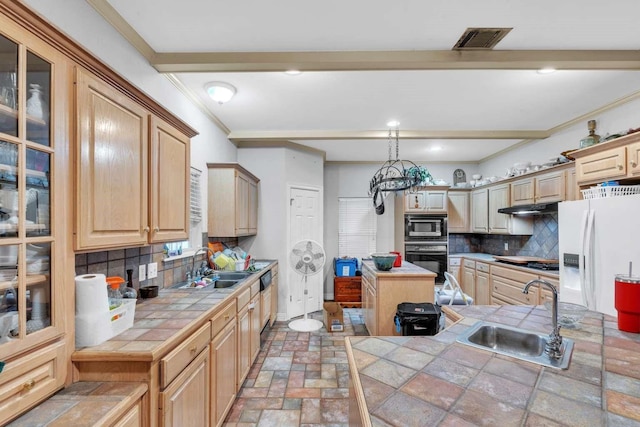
x,y
628,303
398,261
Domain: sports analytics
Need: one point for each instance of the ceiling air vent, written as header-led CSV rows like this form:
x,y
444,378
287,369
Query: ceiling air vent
x,y
481,38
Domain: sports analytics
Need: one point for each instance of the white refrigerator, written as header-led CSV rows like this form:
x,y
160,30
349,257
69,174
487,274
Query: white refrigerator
x,y
597,240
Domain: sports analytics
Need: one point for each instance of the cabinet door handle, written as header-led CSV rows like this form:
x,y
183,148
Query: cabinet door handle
x,y
28,385
619,166
226,317
193,349
146,229
156,229
633,163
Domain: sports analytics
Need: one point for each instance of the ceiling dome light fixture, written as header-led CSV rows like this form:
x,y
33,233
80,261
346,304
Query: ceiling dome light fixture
x,y
220,92
546,70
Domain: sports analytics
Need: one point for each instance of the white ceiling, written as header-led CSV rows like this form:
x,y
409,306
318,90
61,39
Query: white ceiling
x,y
470,104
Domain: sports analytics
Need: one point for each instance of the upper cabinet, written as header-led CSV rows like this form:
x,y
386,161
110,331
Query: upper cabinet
x,y
546,188
618,159
132,169
426,200
458,212
232,201
485,218
36,325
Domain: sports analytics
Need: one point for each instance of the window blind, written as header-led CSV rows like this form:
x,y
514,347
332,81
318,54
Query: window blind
x,y
356,227
195,203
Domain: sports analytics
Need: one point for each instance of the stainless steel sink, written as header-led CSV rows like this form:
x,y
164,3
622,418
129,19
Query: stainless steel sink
x,y
225,283
232,275
514,342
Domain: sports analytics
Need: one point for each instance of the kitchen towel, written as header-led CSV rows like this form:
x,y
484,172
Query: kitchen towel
x,y
91,294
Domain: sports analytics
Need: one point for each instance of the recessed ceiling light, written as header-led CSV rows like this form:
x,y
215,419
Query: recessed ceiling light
x,y
220,92
293,72
546,70
436,148
393,123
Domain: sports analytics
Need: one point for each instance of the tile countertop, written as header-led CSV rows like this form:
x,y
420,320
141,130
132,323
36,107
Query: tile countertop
x,y
401,381
407,269
162,322
491,260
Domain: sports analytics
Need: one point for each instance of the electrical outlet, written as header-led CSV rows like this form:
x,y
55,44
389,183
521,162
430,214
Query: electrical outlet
x,y
152,270
506,246
142,273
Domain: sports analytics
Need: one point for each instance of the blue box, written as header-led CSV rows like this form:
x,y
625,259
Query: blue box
x,y
345,266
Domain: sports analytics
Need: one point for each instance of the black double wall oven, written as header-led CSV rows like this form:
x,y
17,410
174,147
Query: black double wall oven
x,y
425,242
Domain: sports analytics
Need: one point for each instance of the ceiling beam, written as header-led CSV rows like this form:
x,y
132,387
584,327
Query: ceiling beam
x,y
396,60
310,135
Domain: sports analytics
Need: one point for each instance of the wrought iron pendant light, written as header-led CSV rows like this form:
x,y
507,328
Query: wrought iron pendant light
x,y
393,175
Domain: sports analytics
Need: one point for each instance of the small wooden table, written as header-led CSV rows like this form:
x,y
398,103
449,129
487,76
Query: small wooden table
x,y
347,290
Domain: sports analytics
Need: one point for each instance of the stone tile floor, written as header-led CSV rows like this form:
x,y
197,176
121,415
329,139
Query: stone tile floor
x,y
299,378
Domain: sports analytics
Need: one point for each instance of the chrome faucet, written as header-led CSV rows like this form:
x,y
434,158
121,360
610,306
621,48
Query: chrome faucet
x,y
554,346
193,271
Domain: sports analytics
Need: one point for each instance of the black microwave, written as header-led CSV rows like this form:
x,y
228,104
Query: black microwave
x,y
425,227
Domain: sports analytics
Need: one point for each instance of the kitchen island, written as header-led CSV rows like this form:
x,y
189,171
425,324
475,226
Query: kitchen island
x,y
430,381
382,291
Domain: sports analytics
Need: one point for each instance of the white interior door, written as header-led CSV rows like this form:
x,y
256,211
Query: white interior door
x,y
305,223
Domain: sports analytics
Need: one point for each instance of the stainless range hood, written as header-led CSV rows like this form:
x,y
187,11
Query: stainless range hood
x,y
536,209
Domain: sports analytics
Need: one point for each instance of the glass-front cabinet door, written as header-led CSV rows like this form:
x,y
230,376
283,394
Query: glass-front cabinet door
x,y
26,158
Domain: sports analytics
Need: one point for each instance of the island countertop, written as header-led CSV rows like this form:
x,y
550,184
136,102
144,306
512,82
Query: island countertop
x,y
432,380
407,269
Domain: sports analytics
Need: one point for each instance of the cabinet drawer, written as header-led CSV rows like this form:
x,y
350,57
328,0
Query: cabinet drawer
x,y
172,364
512,291
30,379
470,263
513,274
220,320
482,267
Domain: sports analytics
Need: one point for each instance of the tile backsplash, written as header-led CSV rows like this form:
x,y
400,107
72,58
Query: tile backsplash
x,y
117,262
542,243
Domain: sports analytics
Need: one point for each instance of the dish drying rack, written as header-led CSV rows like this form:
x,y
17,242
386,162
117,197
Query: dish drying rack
x,y
610,191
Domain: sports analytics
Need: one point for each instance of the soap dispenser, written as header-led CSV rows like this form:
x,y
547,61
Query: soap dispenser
x,y
130,291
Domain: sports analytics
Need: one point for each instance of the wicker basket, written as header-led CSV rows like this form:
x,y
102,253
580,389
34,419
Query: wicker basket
x,y
613,191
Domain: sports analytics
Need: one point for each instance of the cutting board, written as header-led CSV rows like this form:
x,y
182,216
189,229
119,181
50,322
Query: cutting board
x,y
524,259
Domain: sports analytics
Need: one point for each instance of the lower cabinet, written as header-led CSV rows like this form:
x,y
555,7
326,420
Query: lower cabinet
x,y
244,338
369,306
507,285
483,288
256,327
274,295
468,279
132,418
185,402
223,368
265,305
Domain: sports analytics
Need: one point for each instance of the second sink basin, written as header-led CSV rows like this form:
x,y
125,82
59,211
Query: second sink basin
x,y
514,342
233,275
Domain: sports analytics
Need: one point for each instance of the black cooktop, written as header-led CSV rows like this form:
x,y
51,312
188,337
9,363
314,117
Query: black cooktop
x,y
544,266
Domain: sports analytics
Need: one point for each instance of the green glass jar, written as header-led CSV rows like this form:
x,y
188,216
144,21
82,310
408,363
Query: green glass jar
x,y
592,138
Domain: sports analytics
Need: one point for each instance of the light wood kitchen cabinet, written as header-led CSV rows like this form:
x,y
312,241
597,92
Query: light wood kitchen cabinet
x,y
265,305
185,402
618,159
256,320
132,418
458,218
507,285
571,185
499,197
36,307
170,182
132,183
546,188
480,210
244,337
483,288
423,200
232,201
468,279
386,289
224,358
454,267
369,304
